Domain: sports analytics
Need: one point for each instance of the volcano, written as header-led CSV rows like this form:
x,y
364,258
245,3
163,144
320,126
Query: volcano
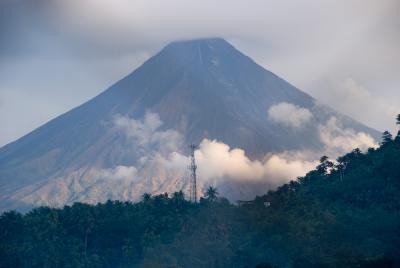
x,y
189,92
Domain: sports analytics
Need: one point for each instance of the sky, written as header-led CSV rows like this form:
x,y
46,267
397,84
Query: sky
x,y
57,54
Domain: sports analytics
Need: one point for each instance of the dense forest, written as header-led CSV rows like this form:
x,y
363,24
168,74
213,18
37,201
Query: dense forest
x,y
345,213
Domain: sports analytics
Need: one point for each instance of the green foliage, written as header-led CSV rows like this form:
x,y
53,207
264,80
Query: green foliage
x,y
386,138
343,214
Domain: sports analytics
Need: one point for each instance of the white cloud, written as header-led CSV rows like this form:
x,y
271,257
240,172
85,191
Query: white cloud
x,y
218,160
147,133
289,114
338,140
117,173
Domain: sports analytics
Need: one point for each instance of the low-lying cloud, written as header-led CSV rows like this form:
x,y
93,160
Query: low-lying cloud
x,y
218,160
289,114
162,159
118,173
146,133
161,164
339,140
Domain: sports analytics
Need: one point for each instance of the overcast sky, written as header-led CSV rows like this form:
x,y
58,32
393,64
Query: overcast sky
x,y
56,54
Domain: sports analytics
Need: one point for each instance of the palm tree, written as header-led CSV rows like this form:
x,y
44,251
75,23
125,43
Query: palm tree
x,y
211,193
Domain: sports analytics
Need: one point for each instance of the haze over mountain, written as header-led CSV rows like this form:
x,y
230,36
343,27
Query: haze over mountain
x,y
255,132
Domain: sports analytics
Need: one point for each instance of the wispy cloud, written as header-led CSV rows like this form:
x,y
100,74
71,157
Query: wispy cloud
x,y
339,140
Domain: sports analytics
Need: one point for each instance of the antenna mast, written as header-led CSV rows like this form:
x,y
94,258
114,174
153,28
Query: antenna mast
x,y
193,179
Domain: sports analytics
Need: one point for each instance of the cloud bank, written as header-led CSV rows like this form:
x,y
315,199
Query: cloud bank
x,y
162,159
218,160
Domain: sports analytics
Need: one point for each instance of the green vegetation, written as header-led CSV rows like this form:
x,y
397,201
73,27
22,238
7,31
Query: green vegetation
x,y
342,214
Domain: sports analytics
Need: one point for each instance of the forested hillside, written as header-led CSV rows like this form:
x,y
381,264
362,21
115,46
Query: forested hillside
x,y
342,214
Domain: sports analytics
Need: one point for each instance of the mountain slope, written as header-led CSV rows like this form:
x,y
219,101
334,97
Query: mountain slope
x,y
189,91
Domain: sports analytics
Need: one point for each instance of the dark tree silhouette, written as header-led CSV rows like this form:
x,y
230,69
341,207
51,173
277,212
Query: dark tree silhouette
x,y
386,137
325,165
146,197
211,193
178,195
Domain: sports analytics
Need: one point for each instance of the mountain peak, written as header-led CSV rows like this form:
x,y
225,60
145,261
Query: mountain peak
x,y
210,41
203,51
